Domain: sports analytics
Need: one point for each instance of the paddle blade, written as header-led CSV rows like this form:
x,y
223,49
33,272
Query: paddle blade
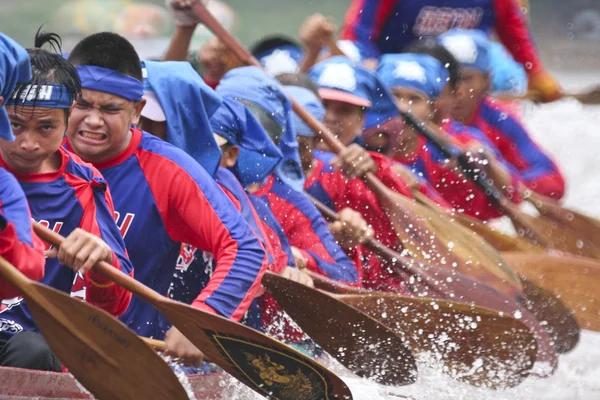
x,y
267,366
101,352
574,280
476,345
359,342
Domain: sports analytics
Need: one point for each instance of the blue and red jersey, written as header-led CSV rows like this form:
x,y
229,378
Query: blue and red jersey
x,y
332,188
74,196
164,198
18,244
307,230
508,135
387,26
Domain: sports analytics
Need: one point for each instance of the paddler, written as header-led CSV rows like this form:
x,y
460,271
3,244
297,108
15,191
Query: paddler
x,y
163,197
66,195
417,81
473,107
313,246
18,244
378,27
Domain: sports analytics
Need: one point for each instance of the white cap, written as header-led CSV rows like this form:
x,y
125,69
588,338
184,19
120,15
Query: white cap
x,y
152,110
220,139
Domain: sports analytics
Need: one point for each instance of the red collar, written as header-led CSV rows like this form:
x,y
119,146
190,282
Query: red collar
x,y
41,177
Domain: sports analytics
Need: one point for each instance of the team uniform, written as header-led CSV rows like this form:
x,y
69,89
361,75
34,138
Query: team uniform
x,y
18,244
165,198
509,136
387,26
75,196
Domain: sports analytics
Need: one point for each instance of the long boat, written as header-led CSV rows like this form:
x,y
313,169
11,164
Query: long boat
x,y
17,383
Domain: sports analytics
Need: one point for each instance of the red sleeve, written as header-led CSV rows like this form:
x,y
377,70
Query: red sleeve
x,y
388,177
28,259
512,29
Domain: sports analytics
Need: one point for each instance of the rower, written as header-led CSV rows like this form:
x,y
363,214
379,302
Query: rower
x,y
313,246
66,195
163,197
475,108
417,81
380,27
18,244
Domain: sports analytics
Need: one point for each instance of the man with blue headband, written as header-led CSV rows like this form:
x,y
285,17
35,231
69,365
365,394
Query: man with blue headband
x,y
66,195
18,244
475,108
163,197
416,81
379,27
312,243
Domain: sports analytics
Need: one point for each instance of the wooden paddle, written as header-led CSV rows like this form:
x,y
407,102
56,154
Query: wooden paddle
x,y
413,230
476,345
575,280
589,97
432,281
265,365
94,346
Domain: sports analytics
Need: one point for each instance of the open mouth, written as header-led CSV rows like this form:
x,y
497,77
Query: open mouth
x,y
93,137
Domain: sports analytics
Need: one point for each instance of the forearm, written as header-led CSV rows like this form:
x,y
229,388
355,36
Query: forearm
x,y
180,44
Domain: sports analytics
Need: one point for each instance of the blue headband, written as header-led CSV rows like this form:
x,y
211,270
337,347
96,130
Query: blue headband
x,y
48,96
469,47
110,81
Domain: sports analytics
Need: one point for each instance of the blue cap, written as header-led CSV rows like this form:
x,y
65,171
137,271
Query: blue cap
x,y
469,47
187,103
507,74
258,154
253,86
14,68
311,103
339,79
278,54
416,71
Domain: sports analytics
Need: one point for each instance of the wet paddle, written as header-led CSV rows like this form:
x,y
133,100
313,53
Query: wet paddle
x,y
476,345
362,344
575,280
589,97
265,365
94,346
416,232
432,281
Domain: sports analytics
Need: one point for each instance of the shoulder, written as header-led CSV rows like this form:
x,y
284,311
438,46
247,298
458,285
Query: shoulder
x,y
80,168
324,158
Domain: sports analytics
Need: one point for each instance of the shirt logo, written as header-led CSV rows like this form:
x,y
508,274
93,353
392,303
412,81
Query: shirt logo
x,y
187,253
56,229
340,76
433,21
125,224
78,289
8,304
410,71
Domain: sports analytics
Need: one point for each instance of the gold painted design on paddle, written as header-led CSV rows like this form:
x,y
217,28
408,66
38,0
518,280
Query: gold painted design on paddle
x,y
271,373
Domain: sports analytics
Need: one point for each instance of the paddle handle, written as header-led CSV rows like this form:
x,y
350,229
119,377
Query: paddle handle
x,y
105,269
158,345
12,275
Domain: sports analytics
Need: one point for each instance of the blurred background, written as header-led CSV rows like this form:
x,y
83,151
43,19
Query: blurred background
x,y
567,31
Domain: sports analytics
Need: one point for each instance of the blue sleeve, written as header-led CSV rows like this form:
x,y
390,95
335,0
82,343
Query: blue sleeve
x,y
14,208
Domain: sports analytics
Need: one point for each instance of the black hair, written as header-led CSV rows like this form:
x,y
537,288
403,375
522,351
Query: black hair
x,y
436,50
49,67
271,42
108,50
299,79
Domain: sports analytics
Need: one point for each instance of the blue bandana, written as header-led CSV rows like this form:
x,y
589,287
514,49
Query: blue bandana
x,y
258,154
110,81
187,103
14,69
253,85
47,96
507,74
416,71
469,47
311,103
282,59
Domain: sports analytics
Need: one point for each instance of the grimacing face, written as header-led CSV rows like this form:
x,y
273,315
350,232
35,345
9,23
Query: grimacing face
x,y
99,125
